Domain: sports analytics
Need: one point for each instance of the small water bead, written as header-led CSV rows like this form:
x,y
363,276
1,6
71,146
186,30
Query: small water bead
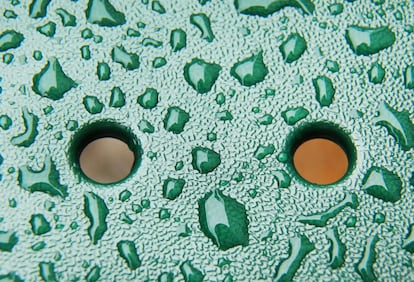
x,y
202,22
159,62
337,249
172,188
85,52
94,274
263,151
175,120
8,58
92,105
30,133
336,9
8,240
205,160
250,71
149,99
164,214
151,42
224,115
86,33
166,277
9,14
201,75
103,71
38,246
191,273
67,18
332,66
156,6
283,178
293,48
376,73
292,115
10,39
39,224
409,77
117,99
48,29
408,243
324,89
178,40
5,122
72,125
125,218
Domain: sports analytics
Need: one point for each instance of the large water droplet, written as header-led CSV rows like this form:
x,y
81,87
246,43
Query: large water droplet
x,y
96,211
250,71
27,138
202,22
172,188
190,273
201,75
8,240
365,265
382,184
47,271
102,12
39,224
324,90
337,249
128,252
178,39
367,41
265,8
205,160
38,8
10,39
293,48
175,120
129,61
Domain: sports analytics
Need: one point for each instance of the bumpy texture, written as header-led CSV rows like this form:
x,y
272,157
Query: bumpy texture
x,y
211,89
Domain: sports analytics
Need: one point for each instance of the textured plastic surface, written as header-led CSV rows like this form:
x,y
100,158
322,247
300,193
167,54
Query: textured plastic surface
x,y
212,90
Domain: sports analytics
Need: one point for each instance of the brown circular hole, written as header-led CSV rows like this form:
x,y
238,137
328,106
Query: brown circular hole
x,y
106,160
320,161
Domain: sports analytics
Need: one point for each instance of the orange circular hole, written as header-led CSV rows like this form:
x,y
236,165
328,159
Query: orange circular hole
x,y
106,160
320,161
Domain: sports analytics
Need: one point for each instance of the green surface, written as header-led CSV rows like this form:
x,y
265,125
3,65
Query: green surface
x,y
212,97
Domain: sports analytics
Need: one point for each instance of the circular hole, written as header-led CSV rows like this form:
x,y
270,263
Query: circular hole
x,y
105,152
321,153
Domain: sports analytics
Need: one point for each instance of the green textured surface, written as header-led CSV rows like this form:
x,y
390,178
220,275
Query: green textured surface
x,y
211,96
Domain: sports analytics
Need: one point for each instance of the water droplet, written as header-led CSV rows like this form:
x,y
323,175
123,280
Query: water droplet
x,y
85,52
96,211
125,218
382,184
136,208
8,240
299,247
175,120
190,273
74,225
48,29
379,217
67,18
321,219
38,246
39,224
376,73
184,230
337,249
47,271
223,262
128,252
86,33
263,151
332,66
367,41
266,119
146,127
164,214
8,58
92,104
202,22
103,71
224,115
94,274
151,42
133,33
166,277
117,98
149,99
5,122
211,136
10,39
51,82
102,13
283,178
408,243
124,195
268,7
409,77
172,188
365,265
293,115
292,48
72,125
145,203
129,61
283,157
179,165
250,71
201,75
228,278
324,90
157,7
336,8
351,221
159,62
178,39
38,8
223,220
205,160
9,14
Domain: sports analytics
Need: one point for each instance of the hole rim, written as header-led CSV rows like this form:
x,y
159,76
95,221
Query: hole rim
x,y
326,130
95,130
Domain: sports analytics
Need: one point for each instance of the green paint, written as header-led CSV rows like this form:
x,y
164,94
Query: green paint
x,y
292,115
337,249
368,41
408,243
202,22
398,125
191,273
379,217
283,178
128,252
157,7
265,8
175,120
164,214
48,29
159,62
336,9
324,89
224,115
45,180
299,247
51,82
10,39
96,211
332,66
382,184
149,99
172,188
223,220
321,219
92,104
365,265
102,13
85,52
39,224
376,73
292,48
117,98
205,160
409,77
151,42
125,195
166,277
263,151
38,246
201,75
94,274
10,277
47,271
8,240
5,122
130,61
38,8
103,71
178,39
146,127
250,71
67,18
